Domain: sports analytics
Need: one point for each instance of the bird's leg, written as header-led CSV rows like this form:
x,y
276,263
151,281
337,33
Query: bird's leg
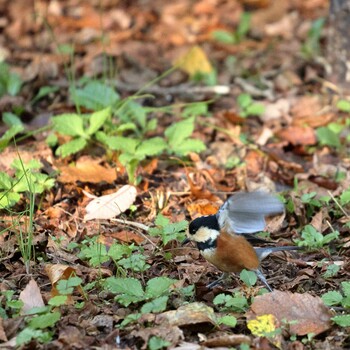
x,y
218,281
263,279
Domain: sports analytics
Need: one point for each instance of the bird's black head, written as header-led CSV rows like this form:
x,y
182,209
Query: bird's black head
x,y
209,222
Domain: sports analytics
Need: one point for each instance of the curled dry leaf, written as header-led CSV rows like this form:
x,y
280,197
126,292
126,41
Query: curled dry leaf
x,y
303,313
202,207
31,297
111,205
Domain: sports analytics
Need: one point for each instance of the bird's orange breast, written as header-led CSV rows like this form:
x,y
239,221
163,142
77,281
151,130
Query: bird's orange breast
x,y
233,253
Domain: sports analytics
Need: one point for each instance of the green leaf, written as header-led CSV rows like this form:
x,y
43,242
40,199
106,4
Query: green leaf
x,y
255,109
327,137
14,84
178,132
223,37
97,119
195,109
71,147
161,220
9,135
228,320
44,321
243,26
248,277
156,305
67,286
58,300
244,100
332,298
96,253
342,320
69,124
128,290
28,334
8,199
345,197
135,262
187,146
118,251
157,343
5,181
44,91
151,147
132,111
346,288
120,143
331,271
343,105
11,119
157,286
94,96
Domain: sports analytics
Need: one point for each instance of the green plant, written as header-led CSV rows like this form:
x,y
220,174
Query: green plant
x,y
10,83
312,203
156,343
15,127
330,135
331,271
311,46
168,231
334,298
10,307
27,179
235,302
248,107
313,239
236,37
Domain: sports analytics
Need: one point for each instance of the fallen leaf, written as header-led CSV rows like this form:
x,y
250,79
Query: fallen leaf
x,y
31,297
190,314
226,340
127,236
298,135
202,207
87,169
194,61
111,205
303,313
2,331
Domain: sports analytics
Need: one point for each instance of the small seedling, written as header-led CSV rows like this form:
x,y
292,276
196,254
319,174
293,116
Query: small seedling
x,y
313,239
236,302
311,46
248,107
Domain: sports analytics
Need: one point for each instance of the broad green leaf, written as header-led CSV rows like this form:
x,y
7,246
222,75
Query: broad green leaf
x,y
28,334
327,137
132,111
125,285
135,262
195,109
178,132
345,197
156,305
58,300
5,181
69,124
71,147
14,84
244,100
157,286
255,109
11,119
187,146
248,277
228,320
97,119
161,220
243,26
342,320
332,298
44,321
94,96
9,135
151,147
96,253
346,288
343,105
118,251
120,143
8,199
157,343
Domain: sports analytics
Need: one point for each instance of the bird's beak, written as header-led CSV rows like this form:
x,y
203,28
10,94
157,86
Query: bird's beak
x,y
186,240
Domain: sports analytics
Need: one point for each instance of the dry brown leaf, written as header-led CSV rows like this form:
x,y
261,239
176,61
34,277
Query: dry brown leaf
x,y
2,331
87,169
31,297
298,135
111,205
190,314
202,207
311,314
227,340
127,236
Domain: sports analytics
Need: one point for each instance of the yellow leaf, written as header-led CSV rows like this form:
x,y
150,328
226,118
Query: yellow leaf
x,y
265,326
194,61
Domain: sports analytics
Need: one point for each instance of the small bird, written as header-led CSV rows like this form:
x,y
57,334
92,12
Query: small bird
x,y
224,238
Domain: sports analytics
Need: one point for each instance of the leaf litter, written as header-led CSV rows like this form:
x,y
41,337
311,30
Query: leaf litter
x,y
284,148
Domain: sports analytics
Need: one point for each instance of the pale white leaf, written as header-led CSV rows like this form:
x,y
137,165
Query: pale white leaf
x,y
111,205
31,297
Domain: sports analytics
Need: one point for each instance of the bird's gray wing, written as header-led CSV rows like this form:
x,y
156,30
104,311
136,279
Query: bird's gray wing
x,y
245,212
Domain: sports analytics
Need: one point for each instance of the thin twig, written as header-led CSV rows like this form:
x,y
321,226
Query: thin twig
x,y
338,204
